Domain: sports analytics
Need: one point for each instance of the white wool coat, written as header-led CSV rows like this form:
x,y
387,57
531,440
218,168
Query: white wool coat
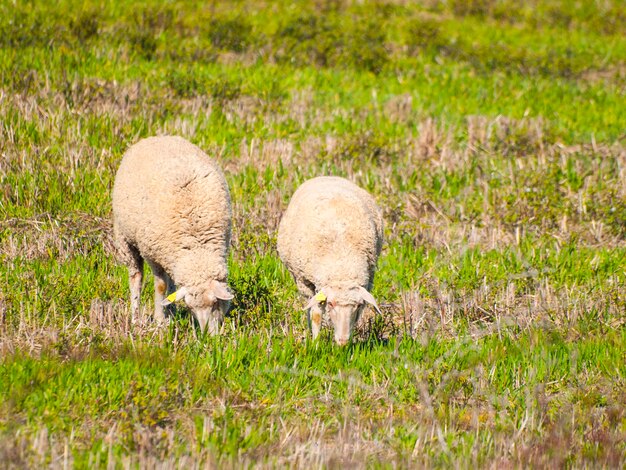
x,y
331,235
171,201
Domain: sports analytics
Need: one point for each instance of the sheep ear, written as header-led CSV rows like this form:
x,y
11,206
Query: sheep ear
x,y
367,297
173,297
220,290
318,298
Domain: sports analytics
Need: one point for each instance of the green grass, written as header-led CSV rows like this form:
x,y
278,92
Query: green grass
x,y
490,132
245,391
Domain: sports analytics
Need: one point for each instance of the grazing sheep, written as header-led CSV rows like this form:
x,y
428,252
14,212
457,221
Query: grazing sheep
x,y
329,238
171,208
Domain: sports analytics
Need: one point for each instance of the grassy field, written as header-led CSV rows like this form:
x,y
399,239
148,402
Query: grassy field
x,y
491,132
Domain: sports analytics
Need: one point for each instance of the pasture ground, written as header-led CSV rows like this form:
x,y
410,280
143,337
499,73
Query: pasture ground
x,y
491,132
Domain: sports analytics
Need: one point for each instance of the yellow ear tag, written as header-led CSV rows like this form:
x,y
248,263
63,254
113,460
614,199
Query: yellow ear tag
x,y
320,297
172,297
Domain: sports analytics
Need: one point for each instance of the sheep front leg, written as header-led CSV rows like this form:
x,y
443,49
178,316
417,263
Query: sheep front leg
x,y
315,320
163,285
314,315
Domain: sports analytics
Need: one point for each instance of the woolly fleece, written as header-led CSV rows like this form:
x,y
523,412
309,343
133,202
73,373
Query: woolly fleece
x,y
171,204
331,235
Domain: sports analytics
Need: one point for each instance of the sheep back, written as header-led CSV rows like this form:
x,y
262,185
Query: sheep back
x,y
171,201
331,233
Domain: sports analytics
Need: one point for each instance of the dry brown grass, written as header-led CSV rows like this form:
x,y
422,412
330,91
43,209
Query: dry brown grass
x,y
489,309
47,236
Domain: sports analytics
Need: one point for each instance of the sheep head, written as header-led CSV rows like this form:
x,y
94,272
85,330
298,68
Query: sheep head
x,y
209,304
344,307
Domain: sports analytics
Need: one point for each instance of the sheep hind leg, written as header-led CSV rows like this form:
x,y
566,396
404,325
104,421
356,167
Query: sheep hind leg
x,y
133,260
163,285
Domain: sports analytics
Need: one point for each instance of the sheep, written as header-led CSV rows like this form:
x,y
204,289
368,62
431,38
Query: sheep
x,y
171,208
330,238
